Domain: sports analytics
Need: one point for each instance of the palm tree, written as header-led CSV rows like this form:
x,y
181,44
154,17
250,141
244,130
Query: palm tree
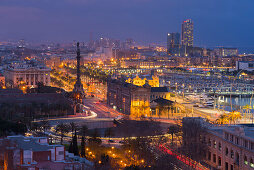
x,y
223,119
173,130
247,109
234,116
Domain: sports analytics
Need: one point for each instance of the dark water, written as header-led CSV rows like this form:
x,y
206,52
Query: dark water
x,y
237,101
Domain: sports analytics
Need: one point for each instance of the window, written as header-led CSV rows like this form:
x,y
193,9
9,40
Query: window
x,y
252,146
231,167
209,142
61,152
214,144
226,151
232,154
214,158
209,155
245,143
219,161
251,163
226,136
226,166
245,160
219,146
237,158
231,138
237,140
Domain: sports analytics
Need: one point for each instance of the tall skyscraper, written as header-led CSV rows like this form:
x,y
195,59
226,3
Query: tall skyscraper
x,y
173,43
187,33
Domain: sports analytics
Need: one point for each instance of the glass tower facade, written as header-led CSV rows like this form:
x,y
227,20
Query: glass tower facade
x,y
187,33
173,43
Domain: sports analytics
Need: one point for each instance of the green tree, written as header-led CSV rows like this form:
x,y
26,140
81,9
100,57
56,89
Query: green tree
x,y
62,129
75,144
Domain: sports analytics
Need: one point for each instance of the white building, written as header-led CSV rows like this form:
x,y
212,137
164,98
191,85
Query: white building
x,y
26,73
245,65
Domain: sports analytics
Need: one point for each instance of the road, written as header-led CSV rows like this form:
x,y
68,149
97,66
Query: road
x,y
183,159
101,109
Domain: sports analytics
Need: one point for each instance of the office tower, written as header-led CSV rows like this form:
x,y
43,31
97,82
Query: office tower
x,y
173,43
187,33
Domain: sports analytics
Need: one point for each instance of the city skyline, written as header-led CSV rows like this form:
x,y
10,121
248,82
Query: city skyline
x,y
147,20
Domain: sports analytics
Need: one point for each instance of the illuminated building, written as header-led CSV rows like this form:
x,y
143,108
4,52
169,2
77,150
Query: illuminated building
x,y
2,81
225,52
147,63
152,81
173,44
160,92
128,98
27,74
187,33
133,100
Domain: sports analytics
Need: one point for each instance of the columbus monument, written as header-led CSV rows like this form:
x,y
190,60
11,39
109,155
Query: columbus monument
x,y
78,91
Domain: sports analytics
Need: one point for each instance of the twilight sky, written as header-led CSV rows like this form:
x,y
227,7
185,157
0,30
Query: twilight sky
x,y
216,22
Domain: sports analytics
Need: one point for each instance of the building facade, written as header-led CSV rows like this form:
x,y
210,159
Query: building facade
x,y
173,44
225,52
245,65
187,33
33,153
128,98
153,81
27,74
230,147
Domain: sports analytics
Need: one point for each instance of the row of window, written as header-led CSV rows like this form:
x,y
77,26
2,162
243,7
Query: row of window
x,y
234,139
232,154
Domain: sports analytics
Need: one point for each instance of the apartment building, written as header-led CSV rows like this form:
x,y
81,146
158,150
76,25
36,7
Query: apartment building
x,y
33,153
230,147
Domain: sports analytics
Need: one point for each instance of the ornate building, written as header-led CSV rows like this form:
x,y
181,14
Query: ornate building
x,y
136,100
128,98
152,80
27,74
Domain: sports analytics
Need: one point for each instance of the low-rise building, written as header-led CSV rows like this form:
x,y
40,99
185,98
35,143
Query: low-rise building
x,y
245,65
32,153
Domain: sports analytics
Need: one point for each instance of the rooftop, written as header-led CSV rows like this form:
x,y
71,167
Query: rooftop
x,y
31,143
159,89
